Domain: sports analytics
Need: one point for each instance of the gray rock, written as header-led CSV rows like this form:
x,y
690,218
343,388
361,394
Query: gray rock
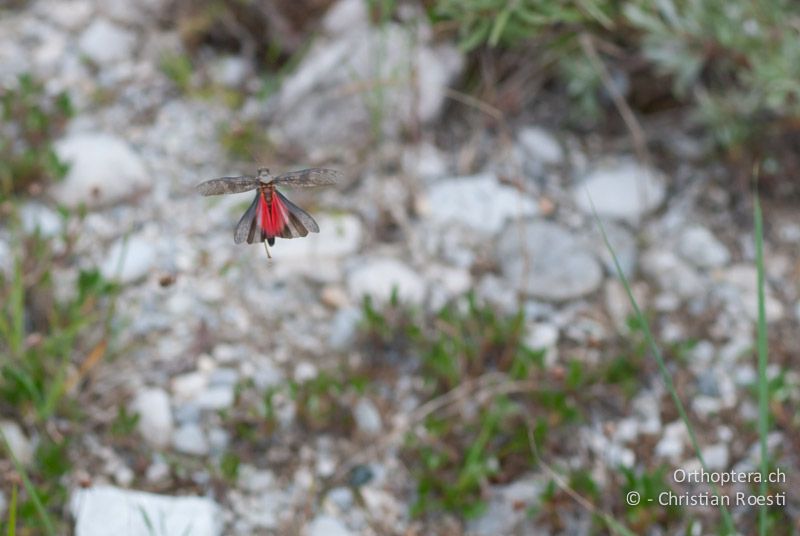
x,y
540,146
479,203
190,439
341,497
338,93
69,15
106,43
701,248
379,277
345,15
671,273
229,71
216,398
103,170
325,525
344,328
624,191
129,259
104,510
425,161
20,445
544,260
155,416
367,417
623,244
503,514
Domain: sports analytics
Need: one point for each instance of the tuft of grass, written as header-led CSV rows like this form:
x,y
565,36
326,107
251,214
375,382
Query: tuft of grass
x,y
30,120
179,69
245,140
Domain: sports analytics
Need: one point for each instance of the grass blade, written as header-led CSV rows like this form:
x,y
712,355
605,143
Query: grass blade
x,y
12,513
665,375
29,487
763,387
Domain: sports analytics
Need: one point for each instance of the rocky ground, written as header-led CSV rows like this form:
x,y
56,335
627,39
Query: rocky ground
x,y
201,323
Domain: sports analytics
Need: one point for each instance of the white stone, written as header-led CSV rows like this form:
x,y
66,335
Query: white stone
x,y
367,417
190,439
129,259
104,510
379,277
672,274
229,71
672,441
325,525
106,43
544,260
425,161
216,398
701,248
155,416
339,236
717,457
69,15
19,444
543,336
189,386
305,371
479,203
344,328
624,191
103,170
540,146
254,480
37,217
345,15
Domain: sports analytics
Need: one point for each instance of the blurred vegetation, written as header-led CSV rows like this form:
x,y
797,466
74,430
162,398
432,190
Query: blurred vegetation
x,y
31,120
49,341
734,65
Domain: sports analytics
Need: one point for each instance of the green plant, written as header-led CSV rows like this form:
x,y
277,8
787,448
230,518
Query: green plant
x,y
31,120
246,140
178,68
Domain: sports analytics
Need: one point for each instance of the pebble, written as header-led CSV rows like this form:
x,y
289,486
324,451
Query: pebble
x,y
106,43
543,336
103,510
623,190
380,277
344,328
129,259
479,203
540,146
701,248
103,170
190,439
325,525
20,445
367,417
672,274
546,261
155,416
